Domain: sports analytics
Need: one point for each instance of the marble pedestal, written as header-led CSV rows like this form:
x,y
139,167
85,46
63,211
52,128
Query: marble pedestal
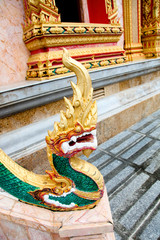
x,y
20,221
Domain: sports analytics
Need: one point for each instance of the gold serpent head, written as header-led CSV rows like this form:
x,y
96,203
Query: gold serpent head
x,y
76,130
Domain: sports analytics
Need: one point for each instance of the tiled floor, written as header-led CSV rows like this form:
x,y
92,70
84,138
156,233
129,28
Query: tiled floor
x,y
130,164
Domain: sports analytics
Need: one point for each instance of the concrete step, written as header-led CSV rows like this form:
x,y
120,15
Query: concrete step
x,y
130,164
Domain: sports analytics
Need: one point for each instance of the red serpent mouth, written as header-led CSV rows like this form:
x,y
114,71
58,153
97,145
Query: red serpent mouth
x,y
86,140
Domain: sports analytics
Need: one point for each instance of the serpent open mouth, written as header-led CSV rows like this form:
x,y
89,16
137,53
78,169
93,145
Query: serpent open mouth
x,y
86,140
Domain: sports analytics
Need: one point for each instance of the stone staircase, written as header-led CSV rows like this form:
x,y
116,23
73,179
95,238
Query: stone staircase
x,y
130,164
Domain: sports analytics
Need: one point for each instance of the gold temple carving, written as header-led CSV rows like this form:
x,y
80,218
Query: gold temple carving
x,y
151,28
132,29
112,10
40,11
94,45
141,28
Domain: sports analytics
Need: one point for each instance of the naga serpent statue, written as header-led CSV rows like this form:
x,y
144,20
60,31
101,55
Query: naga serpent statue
x,y
73,183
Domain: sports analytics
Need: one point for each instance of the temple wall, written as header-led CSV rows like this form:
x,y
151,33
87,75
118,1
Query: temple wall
x,y
36,114
120,17
13,52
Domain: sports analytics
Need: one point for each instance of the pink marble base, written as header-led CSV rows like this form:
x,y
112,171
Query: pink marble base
x,y
23,221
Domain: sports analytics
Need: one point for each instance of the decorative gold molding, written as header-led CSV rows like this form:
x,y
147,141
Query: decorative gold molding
x,y
69,41
86,51
51,72
139,22
69,27
134,50
127,22
51,35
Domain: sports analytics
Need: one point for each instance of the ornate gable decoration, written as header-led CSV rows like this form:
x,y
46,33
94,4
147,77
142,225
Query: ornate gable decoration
x,y
40,11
